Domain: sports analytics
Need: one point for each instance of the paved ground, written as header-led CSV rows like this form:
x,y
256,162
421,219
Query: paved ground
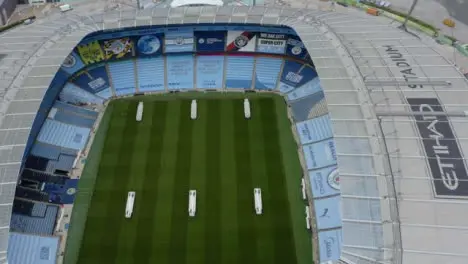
x,y
435,11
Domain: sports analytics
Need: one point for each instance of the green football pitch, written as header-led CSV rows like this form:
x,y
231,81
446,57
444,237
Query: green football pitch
x,y
221,155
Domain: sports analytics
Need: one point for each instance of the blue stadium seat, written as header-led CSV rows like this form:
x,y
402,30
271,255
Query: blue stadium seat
x,y
42,224
47,151
239,72
210,72
65,162
44,152
315,129
22,207
63,135
122,74
42,177
76,110
39,210
37,163
73,119
32,249
267,71
179,71
74,95
31,194
150,74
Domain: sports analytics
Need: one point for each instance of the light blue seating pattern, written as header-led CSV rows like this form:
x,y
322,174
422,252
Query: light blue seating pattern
x,y
239,72
75,120
75,109
311,104
294,75
106,93
31,249
63,135
122,74
75,95
267,71
307,89
39,210
65,162
180,70
51,166
330,242
320,182
210,71
150,74
35,225
313,130
328,212
45,150
320,154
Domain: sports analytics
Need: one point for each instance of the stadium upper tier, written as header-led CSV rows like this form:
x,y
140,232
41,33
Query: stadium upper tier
x,y
394,112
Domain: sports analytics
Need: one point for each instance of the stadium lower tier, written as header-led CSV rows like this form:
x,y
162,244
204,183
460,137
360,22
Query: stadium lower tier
x,y
50,174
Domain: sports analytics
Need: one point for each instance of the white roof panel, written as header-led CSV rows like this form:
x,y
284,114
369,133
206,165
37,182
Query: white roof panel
x,y
390,210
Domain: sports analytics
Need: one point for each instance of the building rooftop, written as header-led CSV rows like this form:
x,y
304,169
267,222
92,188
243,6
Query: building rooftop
x,y
402,167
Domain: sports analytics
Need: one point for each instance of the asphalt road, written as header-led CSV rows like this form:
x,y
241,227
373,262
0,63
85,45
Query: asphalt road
x,y
435,11
458,9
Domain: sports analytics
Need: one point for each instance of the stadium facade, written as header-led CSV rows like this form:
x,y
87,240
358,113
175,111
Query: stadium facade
x,y
391,106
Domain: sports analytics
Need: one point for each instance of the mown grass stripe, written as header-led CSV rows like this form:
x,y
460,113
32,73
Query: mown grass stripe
x,y
178,243
283,251
293,170
247,233
86,187
117,192
129,231
146,241
213,183
229,210
165,186
260,160
90,249
198,177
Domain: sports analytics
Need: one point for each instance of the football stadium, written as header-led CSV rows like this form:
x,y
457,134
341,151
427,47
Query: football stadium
x,y
229,134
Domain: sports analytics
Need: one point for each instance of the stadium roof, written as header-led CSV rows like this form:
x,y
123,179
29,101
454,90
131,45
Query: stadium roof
x,y
367,68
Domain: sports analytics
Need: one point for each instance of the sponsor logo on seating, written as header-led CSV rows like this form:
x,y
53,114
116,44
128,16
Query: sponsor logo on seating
x,y
329,244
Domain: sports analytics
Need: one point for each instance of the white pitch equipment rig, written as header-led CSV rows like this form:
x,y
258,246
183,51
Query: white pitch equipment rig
x,y
192,208
129,206
258,201
247,112
193,110
139,113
